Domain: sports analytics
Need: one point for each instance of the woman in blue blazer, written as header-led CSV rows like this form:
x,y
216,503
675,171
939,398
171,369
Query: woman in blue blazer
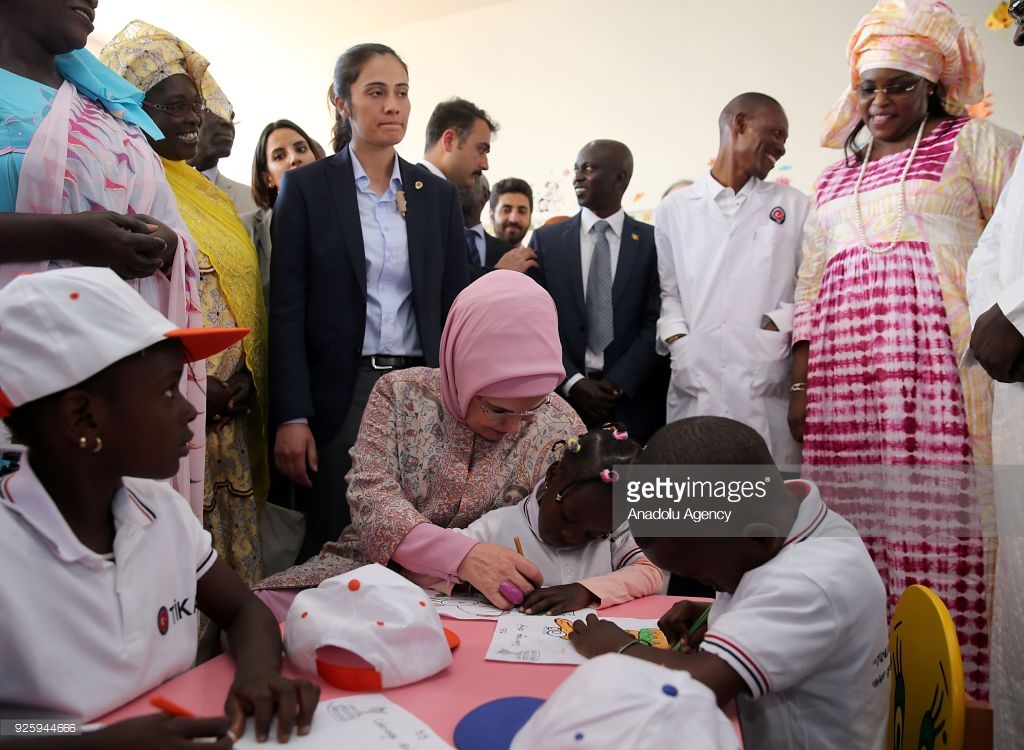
x,y
368,256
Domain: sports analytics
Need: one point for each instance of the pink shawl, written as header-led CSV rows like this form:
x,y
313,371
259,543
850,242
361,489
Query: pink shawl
x,y
500,340
81,158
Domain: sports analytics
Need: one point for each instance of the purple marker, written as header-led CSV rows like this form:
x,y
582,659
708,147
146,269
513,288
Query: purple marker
x,y
511,592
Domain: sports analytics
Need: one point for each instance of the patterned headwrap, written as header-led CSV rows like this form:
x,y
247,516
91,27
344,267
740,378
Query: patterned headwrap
x,y
146,55
924,37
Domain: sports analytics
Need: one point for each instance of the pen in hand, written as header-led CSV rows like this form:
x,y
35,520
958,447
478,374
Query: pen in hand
x,y
697,625
168,706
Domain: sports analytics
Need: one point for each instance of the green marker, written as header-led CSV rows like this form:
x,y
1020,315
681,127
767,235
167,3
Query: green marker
x,y
695,627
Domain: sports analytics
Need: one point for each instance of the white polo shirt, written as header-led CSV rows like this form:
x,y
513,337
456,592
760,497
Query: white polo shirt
x,y
807,632
83,634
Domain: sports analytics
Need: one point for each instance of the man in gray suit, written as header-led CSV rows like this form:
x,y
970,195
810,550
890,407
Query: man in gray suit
x,y
216,138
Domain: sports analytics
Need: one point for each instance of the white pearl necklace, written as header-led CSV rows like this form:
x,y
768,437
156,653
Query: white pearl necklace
x,y
903,195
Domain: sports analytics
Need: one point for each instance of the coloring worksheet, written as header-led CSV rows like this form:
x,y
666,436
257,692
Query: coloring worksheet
x,y
357,721
477,608
545,640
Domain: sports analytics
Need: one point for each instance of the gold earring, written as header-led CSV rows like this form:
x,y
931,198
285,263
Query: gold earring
x,y
83,442
99,445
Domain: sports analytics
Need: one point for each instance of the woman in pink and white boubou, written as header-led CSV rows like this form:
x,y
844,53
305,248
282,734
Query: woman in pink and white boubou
x,y
882,320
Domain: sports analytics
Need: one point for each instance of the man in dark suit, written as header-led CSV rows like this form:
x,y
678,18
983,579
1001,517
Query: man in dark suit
x,y
601,269
216,139
458,142
319,372
487,247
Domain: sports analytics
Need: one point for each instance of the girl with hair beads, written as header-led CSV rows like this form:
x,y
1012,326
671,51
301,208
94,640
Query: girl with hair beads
x,y
565,527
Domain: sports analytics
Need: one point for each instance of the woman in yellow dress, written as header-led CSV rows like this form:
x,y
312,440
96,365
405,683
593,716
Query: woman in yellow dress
x,y
177,89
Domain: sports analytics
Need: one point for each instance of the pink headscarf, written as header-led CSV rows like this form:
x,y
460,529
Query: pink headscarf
x,y
924,37
500,340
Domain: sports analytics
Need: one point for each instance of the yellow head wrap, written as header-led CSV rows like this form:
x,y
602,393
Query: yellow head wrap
x,y
145,55
924,37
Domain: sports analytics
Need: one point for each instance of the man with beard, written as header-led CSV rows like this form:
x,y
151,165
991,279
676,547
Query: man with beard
x,y
512,210
488,252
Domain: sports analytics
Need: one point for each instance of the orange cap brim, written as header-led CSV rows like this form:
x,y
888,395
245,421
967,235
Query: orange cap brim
x,y
453,640
201,343
364,679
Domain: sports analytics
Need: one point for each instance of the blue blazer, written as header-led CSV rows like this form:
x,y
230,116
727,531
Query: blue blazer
x,y
318,284
630,361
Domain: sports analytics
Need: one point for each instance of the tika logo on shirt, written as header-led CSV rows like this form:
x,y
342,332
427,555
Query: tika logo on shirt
x,y
176,612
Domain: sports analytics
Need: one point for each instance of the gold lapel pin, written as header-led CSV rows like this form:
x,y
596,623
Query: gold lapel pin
x,y
418,184
635,236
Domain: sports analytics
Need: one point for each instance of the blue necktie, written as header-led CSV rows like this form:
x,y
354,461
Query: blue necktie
x,y
471,254
600,321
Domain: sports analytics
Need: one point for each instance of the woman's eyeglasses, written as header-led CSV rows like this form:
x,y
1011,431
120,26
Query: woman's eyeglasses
x,y
179,110
1016,11
495,414
869,90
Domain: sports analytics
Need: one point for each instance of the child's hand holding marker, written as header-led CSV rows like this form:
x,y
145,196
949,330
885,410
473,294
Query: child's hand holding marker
x,y
685,624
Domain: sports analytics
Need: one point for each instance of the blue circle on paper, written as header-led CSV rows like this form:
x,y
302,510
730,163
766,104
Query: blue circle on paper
x,y
493,725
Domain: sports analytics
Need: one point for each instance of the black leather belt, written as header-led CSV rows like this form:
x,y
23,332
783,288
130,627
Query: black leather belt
x,y
390,362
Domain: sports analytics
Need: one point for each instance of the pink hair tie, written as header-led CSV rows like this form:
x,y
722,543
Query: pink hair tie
x,y
608,476
619,435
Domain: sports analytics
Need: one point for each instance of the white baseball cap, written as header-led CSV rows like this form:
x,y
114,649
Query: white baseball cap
x,y
367,629
59,328
612,702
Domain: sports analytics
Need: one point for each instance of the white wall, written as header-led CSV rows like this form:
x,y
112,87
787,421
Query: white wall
x,y
557,73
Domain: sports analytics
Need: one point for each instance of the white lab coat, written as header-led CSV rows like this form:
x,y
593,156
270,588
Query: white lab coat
x,y
995,275
720,279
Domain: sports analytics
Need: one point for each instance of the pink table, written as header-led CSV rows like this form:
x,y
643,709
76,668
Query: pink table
x,y
440,701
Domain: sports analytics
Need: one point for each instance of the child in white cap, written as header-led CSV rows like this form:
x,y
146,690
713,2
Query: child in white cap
x,y
610,703
107,568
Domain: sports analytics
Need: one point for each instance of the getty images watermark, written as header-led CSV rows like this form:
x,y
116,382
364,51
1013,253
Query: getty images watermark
x,y
905,502
689,500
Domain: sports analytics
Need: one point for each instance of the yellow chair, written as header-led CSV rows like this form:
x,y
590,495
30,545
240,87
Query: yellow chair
x,y
928,705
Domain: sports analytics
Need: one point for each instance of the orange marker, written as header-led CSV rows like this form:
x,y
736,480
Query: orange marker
x,y
169,706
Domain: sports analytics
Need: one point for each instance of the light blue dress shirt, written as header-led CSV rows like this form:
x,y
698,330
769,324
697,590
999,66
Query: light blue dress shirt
x,y
390,318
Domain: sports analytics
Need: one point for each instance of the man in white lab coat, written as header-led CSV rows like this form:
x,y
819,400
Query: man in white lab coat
x,y
728,253
995,291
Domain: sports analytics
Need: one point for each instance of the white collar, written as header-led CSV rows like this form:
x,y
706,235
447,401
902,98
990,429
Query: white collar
x,y
810,516
714,188
23,493
211,174
588,218
433,169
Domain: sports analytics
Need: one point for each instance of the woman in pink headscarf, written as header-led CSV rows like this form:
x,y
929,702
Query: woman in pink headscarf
x,y
439,448
882,321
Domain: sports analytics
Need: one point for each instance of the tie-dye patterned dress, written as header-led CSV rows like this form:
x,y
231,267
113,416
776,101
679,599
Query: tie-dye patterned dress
x,y
887,331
